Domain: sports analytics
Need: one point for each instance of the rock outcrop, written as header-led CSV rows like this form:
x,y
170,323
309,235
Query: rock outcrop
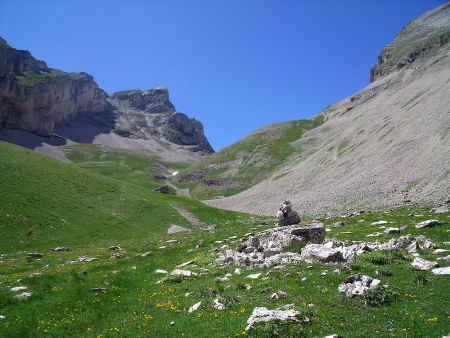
x,y
356,285
34,97
415,42
149,113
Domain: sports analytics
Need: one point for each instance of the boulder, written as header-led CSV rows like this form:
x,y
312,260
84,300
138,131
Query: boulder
x,y
32,255
182,273
428,223
287,216
60,248
320,253
175,229
356,285
422,264
439,210
262,314
441,271
194,307
23,295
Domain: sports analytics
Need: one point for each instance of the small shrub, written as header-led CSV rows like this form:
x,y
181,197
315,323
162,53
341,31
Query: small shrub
x,y
378,296
421,279
384,271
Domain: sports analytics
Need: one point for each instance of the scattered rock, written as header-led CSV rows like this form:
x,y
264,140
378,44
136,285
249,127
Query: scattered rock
x,y
428,223
194,307
262,314
23,295
145,254
115,248
254,276
99,290
439,210
278,295
356,285
32,255
333,336
374,234
83,259
237,271
218,305
175,229
441,271
440,251
117,255
287,216
2,317
379,223
166,189
161,271
18,288
392,230
183,273
60,249
422,264
185,264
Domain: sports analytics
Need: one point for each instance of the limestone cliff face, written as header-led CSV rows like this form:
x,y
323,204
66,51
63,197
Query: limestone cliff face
x,y
149,113
34,97
418,40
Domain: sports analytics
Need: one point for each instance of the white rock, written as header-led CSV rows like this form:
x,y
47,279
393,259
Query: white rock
x,y
172,323
145,254
237,271
422,264
279,294
2,317
194,307
254,276
427,223
218,305
379,223
18,288
440,251
358,284
185,264
441,271
182,273
161,271
332,336
23,295
375,234
392,230
262,314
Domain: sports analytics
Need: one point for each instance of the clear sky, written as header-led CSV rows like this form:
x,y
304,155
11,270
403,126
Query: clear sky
x,y
235,65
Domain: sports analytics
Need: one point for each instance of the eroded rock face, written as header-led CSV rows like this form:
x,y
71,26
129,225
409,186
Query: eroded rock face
x,y
34,97
153,101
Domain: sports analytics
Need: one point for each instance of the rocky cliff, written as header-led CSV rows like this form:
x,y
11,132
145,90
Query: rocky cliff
x,y
149,113
34,97
416,42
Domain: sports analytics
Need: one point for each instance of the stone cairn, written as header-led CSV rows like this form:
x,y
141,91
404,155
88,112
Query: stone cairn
x,y
287,216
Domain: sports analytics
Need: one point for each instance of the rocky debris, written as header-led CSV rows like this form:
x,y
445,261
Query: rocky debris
x,y
374,234
279,294
287,216
392,230
262,314
2,317
441,271
218,305
175,229
83,259
166,189
440,251
428,223
356,285
23,295
321,253
99,290
115,248
272,242
145,254
339,224
161,271
182,273
60,249
185,264
32,255
194,307
422,264
333,336
18,288
443,209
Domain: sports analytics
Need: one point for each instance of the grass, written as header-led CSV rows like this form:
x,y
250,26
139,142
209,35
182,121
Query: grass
x,y
30,78
67,205
120,164
251,160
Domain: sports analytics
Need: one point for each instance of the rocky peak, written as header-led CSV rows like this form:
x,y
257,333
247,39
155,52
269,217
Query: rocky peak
x,y
154,100
416,42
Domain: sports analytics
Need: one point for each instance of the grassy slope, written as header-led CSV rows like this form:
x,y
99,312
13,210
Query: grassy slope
x,y
120,164
259,155
37,191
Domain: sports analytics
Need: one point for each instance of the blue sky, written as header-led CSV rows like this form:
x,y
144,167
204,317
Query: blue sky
x,y
235,65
